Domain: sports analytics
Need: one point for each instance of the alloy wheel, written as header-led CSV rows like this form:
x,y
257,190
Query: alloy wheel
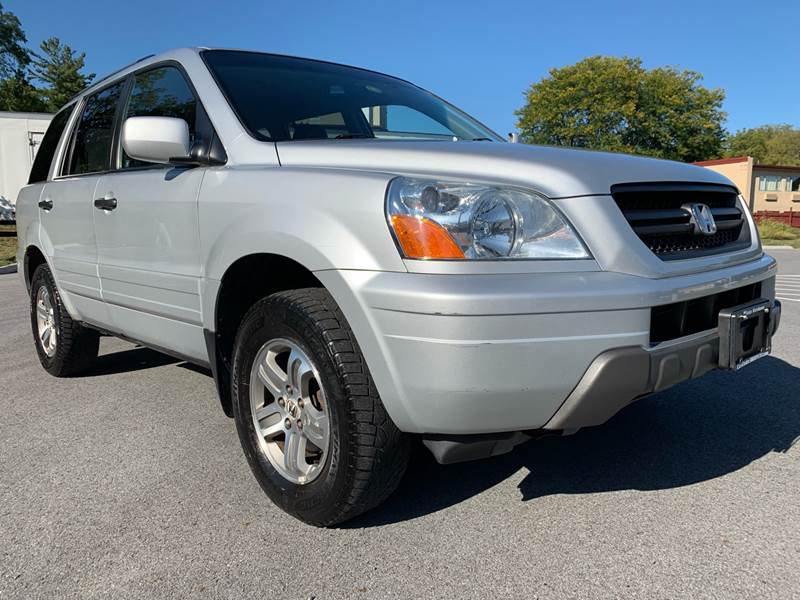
x,y
289,410
46,322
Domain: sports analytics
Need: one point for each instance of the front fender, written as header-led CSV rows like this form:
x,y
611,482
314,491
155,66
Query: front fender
x,y
323,219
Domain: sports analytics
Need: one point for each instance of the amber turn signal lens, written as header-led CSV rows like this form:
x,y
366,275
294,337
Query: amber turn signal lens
x,y
422,238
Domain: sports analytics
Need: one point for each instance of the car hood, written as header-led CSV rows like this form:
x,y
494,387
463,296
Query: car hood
x,y
555,172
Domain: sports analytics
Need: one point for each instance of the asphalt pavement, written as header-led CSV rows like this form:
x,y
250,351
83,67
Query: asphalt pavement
x,y
130,483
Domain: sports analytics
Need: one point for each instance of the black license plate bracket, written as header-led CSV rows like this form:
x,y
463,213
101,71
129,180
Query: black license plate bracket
x,y
745,333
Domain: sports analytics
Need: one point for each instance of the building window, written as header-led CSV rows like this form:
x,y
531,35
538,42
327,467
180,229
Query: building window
x,y
769,183
794,184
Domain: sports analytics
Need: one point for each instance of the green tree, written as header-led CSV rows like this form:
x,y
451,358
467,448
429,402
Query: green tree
x,y
768,144
17,94
59,68
16,91
615,104
14,56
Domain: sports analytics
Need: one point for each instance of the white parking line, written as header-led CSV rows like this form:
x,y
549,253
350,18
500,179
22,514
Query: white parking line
x,y
787,287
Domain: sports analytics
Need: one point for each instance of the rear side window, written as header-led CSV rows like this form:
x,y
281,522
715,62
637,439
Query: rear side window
x,y
91,148
161,92
47,149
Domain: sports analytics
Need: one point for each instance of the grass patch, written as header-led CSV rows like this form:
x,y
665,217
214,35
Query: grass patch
x,y
775,233
776,230
8,244
793,243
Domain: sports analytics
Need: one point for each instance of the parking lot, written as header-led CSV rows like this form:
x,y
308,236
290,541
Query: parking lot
x,y
130,482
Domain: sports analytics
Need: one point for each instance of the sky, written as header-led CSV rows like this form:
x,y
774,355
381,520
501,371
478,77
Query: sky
x,y
481,56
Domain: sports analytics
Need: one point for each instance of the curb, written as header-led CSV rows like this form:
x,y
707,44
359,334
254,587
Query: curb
x,y
778,247
8,269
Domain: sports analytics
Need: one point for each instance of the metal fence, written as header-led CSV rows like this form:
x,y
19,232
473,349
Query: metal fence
x,y
790,217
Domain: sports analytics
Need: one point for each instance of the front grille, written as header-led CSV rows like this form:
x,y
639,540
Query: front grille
x,y
672,321
654,212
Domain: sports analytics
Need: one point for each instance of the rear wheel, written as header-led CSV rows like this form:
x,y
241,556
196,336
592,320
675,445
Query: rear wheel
x,y
310,421
65,347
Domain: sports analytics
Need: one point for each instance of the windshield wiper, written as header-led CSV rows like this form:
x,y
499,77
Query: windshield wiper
x,y
353,136
481,140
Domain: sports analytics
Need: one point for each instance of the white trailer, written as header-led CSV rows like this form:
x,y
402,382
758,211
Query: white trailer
x,y
20,136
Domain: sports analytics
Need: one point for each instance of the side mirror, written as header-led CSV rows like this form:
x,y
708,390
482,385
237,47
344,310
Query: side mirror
x,y
157,139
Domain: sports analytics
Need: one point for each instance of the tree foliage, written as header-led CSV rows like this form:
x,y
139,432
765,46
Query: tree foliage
x,y
768,144
17,94
14,56
58,69
615,104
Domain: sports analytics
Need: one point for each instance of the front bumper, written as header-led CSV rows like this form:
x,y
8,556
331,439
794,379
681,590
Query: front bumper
x,y
470,354
619,376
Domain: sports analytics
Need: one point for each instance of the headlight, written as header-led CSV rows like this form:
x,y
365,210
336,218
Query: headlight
x,y
445,220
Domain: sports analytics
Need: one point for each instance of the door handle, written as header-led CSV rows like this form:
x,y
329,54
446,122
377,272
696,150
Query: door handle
x,y
106,203
46,204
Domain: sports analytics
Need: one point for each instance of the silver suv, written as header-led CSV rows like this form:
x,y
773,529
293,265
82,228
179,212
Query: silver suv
x,y
360,264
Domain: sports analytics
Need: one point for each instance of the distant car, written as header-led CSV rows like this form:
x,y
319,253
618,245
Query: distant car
x,y
361,264
8,213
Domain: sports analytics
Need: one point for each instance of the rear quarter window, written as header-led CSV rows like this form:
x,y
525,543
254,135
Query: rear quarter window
x,y
47,149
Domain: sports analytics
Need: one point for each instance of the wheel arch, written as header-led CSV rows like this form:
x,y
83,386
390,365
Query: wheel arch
x,y
33,258
244,282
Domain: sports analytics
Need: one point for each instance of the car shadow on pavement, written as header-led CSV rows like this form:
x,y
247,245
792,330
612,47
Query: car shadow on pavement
x,y
197,369
124,361
694,432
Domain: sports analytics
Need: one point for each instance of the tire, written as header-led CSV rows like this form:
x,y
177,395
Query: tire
x,y
366,455
75,346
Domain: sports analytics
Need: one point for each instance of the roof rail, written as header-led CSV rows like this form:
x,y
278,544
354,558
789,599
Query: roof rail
x,y
110,75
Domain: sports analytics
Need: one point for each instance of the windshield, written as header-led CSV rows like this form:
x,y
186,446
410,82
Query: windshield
x,y
280,98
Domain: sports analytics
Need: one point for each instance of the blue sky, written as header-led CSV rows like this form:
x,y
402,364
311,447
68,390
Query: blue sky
x,y
481,56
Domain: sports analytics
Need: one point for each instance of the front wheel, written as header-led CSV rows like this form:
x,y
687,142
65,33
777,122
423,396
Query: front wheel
x,y
315,433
